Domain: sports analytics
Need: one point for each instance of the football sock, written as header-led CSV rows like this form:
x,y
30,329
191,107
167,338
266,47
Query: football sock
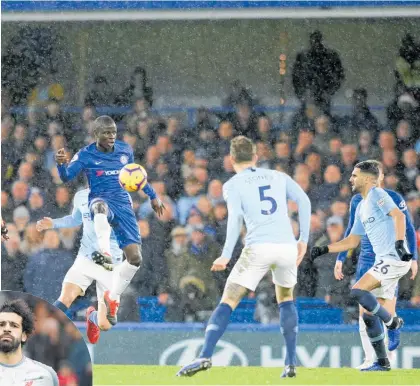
x,y
122,278
93,317
375,331
369,302
216,326
103,232
289,328
61,306
367,346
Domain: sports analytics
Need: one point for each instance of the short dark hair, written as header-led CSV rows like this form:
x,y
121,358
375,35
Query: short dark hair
x,y
21,308
103,122
242,149
370,167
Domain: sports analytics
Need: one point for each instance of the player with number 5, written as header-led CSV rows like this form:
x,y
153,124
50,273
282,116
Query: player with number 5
x,y
379,218
258,196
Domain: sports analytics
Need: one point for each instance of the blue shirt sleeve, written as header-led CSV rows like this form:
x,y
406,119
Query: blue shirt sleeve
x,y
410,232
149,191
353,205
383,200
357,228
296,193
67,173
235,218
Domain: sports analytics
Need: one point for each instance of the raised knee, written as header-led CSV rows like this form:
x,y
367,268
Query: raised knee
x,y
356,293
135,258
100,207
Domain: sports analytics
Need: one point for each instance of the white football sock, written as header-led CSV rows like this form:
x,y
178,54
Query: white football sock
x,y
367,346
121,279
103,232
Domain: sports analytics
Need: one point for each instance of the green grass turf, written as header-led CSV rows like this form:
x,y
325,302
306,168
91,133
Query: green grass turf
x,y
165,375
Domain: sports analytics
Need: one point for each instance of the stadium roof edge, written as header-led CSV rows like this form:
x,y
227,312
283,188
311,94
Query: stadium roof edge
x,y
212,14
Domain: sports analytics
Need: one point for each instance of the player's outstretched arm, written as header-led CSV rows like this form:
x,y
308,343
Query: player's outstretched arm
x,y
350,242
67,173
70,221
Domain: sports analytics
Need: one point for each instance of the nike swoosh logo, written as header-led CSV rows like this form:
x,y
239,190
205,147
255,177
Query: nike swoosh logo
x,y
97,163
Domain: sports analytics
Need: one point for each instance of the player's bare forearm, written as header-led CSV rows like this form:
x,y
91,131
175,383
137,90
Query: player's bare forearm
x,y
350,242
399,223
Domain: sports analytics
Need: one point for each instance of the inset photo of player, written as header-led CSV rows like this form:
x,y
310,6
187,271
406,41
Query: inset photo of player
x,y
39,345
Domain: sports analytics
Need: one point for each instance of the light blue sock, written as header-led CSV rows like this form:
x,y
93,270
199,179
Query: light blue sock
x,y
216,326
93,317
369,302
289,328
61,306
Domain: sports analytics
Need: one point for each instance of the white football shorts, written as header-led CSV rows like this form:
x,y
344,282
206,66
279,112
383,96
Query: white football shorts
x,y
388,272
257,259
84,271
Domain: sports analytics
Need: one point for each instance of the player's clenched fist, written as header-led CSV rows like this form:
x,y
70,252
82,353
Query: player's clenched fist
x,y
318,251
61,156
219,264
44,224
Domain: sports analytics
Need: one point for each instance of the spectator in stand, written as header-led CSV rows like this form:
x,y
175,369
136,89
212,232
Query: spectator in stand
x,y
188,163
386,141
317,73
264,155
361,117
66,375
13,263
36,205
6,207
413,205
340,208
313,160
265,131
21,219
410,170
333,155
225,136
179,138
57,142
244,120
330,189
151,161
303,119
408,66
43,276
367,150
136,144
331,290
140,112
227,169
391,162
304,145
215,192
138,89
237,94
20,193
405,138
282,154
62,205
83,128
323,134
192,189
100,94
348,160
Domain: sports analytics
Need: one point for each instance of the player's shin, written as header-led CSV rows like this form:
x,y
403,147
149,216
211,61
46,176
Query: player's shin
x,y
103,232
375,331
370,303
216,326
122,278
289,328
367,346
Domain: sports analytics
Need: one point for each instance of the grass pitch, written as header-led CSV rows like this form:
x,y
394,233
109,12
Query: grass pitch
x,y
165,375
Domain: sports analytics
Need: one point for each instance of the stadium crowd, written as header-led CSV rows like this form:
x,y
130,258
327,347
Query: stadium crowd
x,y
56,342
187,167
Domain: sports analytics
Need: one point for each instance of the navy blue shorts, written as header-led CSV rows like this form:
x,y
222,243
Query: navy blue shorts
x,y
363,266
123,221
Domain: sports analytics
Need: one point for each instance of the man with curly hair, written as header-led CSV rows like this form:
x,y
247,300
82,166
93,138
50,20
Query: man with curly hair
x,y
16,326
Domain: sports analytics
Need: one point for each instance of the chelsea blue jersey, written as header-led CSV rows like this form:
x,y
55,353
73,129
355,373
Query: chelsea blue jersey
x,y
102,171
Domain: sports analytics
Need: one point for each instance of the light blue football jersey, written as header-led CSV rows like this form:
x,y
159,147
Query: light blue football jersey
x,y
372,219
81,215
259,197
